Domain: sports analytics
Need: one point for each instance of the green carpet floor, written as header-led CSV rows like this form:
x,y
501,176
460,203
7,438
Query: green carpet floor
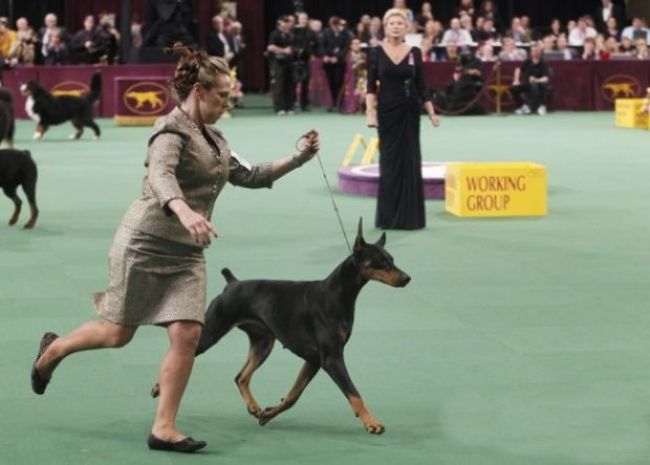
x,y
519,341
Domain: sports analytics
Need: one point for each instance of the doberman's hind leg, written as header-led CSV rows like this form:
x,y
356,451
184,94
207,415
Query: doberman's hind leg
x,y
260,348
335,367
11,193
305,376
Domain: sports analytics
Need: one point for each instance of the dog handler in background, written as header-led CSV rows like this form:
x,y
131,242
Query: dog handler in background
x,y
156,262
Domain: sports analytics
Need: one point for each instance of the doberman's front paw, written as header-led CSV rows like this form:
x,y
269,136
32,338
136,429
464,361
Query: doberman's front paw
x,y
267,415
373,426
254,409
13,220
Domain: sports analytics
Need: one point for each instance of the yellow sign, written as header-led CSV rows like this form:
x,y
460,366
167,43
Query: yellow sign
x,y
632,113
496,189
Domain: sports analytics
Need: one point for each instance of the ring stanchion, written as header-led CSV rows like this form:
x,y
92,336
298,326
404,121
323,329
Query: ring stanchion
x,y
497,66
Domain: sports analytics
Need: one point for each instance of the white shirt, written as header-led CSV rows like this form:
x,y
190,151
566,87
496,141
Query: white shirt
x,y
607,12
629,33
577,36
459,37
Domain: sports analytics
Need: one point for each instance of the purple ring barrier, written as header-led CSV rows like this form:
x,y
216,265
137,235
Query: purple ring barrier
x,y
364,179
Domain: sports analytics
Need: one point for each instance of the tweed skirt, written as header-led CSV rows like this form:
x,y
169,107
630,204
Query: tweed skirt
x,y
152,281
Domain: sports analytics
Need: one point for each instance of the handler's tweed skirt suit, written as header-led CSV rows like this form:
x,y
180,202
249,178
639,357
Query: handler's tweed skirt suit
x,y
156,270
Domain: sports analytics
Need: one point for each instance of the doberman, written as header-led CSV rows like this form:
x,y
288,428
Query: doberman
x,y
313,319
17,168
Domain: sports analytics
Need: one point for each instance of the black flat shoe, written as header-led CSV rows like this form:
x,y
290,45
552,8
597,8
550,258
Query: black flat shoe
x,y
187,445
38,382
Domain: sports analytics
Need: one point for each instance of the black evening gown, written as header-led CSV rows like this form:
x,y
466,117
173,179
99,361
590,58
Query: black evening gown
x,y
400,94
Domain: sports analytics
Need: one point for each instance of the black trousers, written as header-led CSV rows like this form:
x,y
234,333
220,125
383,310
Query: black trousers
x,y
335,73
536,93
301,76
282,85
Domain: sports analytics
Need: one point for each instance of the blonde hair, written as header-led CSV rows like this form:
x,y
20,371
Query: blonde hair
x,y
195,66
395,12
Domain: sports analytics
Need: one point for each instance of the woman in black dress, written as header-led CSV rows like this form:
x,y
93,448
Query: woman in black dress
x,y
396,113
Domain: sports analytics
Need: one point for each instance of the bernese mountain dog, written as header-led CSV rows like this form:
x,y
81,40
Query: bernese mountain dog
x,y
48,110
17,168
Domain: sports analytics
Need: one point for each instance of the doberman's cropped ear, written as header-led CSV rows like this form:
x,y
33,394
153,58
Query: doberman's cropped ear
x,y
382,240
359,241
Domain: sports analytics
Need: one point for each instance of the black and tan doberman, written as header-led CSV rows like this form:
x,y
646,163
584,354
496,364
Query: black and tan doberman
x,y
313,319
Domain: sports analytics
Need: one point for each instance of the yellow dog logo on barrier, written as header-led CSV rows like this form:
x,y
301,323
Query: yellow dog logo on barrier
x,y
151,97
620,86
146,98
70,89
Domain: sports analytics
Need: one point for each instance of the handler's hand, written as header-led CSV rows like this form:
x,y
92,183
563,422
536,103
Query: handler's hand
x,y
435,120
200,228
311,145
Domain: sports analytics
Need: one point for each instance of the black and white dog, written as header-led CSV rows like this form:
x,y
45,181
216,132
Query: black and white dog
x,y
47,109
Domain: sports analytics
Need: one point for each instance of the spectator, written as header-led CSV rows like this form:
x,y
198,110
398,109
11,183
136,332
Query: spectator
x,y
433,31
281,54
23,51
85,44
456,35
581,32
563,46
548,44
238,45
56,52
427,10
109,36
612,29
556,28
136,31
611,48
510,51
528,32
532,79
485,52
7,40
487,31
589,50
608,11
451,53
428,51
518,32
466,24
627,46
375,32
641,50
401,5
601,48
51,28
305,46
489,11
218,43
467,7
336,42
637,30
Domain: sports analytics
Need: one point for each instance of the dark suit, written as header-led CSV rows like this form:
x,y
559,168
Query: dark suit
x,y
616,12
335,45
215,46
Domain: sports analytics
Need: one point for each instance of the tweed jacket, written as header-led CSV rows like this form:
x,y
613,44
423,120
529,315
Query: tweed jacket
x,y
182,164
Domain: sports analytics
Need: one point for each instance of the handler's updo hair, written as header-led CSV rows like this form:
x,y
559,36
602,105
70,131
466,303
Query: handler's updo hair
x,y
195,66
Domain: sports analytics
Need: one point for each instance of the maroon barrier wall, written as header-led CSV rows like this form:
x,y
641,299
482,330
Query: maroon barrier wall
x,y
577,85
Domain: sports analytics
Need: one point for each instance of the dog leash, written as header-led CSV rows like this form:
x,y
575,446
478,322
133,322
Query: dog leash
x,y
329,189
